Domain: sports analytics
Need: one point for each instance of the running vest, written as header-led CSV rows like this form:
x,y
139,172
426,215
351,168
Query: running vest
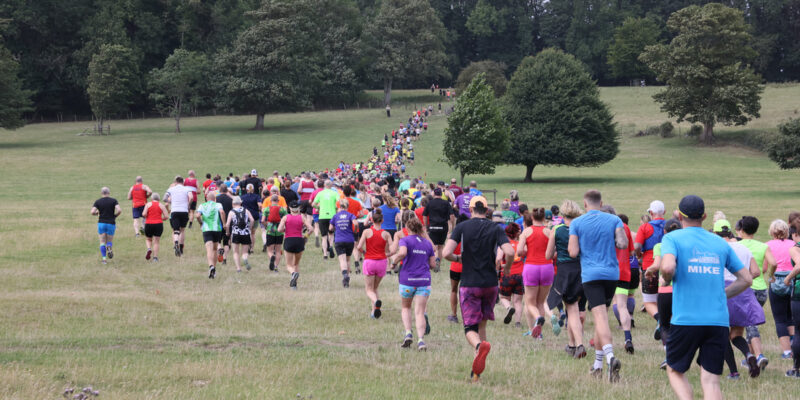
x,y
139,196
655,238
274,214
376,245
191,183
239,225
294,226
306,188
153,213
537,245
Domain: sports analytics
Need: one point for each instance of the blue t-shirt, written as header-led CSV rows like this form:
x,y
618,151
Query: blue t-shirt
x,y
389,215
343,227
698,286
595,232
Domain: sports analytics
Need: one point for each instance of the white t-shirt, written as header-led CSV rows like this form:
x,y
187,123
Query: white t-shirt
x,y
744,254
179,198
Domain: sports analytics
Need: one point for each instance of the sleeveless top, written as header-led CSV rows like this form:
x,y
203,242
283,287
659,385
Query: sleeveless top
x,y
655,238
537,245
562,245
153,213
294,226
376,245
239,217
139,196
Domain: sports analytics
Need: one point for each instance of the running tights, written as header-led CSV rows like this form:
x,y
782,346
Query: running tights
x,y
782,312
796,341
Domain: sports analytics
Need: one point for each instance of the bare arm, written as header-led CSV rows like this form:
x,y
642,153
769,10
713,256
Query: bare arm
x,y
362,243
794,252
574,246
228,222
522,246
754,270
508,250
637,247
769,266
400,255
550,252
130,193
449,247
95,211
282,225
742,282
117,210
432,262
147,190
621,239
164,212
668,264
652,270
146,210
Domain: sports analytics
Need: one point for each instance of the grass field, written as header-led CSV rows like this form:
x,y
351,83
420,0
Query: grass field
x,y
135,330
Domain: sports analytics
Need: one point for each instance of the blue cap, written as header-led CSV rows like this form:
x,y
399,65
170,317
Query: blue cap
x,y
692,207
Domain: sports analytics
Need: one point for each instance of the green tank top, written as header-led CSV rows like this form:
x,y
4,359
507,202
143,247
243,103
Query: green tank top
x,y
759,250
562,244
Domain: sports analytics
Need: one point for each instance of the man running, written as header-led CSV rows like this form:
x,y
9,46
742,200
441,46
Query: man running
x,y
480,240
191,183
438,215
325,201
227,205
179,198
138,194
594,236
210,215
107,210
694,259
306,190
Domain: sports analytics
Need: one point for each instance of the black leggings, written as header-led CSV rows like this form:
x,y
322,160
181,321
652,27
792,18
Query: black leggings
x,y
796,341
782,312
664,304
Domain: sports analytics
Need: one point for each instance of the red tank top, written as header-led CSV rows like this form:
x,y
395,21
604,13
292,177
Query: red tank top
x,y
153,213
139,196
537,245
518,265
191,183
456,266
294,226
306,188
376,245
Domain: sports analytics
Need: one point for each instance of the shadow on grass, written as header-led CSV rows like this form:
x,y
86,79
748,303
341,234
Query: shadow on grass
x,y
581,180
27,145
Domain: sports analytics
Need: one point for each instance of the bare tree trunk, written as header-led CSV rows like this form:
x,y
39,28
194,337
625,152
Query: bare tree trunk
x,y
462,178
708,133
178,116
529,173
100,125
387,91
259,122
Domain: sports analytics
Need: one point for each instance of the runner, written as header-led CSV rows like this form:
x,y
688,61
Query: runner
x,y
648,235
138,194
418,258
664,289
593,236
251,201
238,226
191,183
344,225
780,295
375,244
626,285
694,259
537,274
511,287
480,239
306,190
270,220
210,215
438,216
154,214
179,197
325,202
793,281
294,244
107,210
455,277
390,214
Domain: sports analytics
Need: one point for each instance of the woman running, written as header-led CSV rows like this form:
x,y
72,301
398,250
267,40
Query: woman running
x,y
793,281
455,278
780,294
154,214
537,274
238,225
391,214
375,243
511,290
294,243
418,259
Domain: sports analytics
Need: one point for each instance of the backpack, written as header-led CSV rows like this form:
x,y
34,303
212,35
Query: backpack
x,y
241,220
274,214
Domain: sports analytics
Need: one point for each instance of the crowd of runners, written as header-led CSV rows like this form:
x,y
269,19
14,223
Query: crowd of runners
x,y
705,289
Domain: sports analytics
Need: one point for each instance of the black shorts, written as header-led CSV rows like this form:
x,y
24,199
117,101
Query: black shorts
x,y
212,236
178,220
153,230
294,245
635,272
345,248
193,205
684,341
511,284
137,212
599,292
306,208
567,284
455,276
649,285
438,234
391,232
241,239
664,304
324,227
226,239
272,240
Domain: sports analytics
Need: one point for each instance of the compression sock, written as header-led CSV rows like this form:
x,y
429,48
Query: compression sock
x,y
108,245
103,250
730,359
598,359
181,247
616,313
608,350
628,335
631,305
741,344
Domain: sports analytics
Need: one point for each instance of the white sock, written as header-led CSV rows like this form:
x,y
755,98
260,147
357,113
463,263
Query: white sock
x,y
608,350
598,359
787,352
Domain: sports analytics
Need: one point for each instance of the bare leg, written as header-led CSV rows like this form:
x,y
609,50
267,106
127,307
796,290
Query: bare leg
x,y
454,297
211,253
531,307
710,383
574,324
344,262
680,384
602,332
405,314
156,245
369,287
621,300
419,312
517,300
237,255
651,308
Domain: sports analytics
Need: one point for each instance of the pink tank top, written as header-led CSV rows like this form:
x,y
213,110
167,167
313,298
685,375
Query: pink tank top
x,y
780,250
294,226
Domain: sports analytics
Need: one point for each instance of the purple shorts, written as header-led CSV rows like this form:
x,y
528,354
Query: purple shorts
x,y
477,304
537,275
375,267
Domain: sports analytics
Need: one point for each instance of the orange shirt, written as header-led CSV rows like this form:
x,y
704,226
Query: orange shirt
x,y
267,202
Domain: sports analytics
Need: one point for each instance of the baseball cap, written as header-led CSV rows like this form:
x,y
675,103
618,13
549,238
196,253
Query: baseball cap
x,y
254,172
692,207
656,207
294,204
548,214
437,191
475,199
440,183
721,224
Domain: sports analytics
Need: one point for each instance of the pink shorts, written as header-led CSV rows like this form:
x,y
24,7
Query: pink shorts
x,y
537,274
375,267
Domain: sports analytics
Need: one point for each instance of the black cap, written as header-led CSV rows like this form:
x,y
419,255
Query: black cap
x,y
440,183
437,191
294,204
692,207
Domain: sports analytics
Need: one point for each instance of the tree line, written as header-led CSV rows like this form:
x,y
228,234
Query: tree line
x,y
251,56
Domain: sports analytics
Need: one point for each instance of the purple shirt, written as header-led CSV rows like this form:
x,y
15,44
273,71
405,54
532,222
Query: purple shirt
x,y
416,271
462,202
343,227
514,206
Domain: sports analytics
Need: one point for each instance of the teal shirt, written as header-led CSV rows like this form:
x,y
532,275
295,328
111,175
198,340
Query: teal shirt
x,y
210,213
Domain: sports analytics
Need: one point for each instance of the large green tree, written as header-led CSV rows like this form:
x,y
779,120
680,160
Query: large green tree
x,y
14,100
113,81
706,68
494,73
553,107
406,38
182,79
476,136
630,40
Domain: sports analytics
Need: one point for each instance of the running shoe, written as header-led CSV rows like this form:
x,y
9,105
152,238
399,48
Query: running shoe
x,y
148,254
104,262
596,372
614,366
346,281
177,250
518,324
657,332
427,325
591,342
272,263
247,265
264,248
452,318
509,315
528,333
752,363
556,326
580,351
190,225
787,356
358,268
109,252
421,346
376,309
734,376
407,341
438,266
570,350
663,365
141,230
633,323
762,361
793,373
220,255
293,282
155,259
474,378
562,320
629,346
479,363
537,330
224,261
211,272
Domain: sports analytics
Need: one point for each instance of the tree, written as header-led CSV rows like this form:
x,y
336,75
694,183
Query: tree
x,y
476,136
630,40
553,107
494,73
14,100
180,80
785,149
406,38
706,70
112,82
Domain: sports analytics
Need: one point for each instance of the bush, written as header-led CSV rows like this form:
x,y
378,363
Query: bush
x,y
694,131
667,130
785,149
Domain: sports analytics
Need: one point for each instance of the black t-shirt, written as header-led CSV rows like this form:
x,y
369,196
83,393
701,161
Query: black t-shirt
x,y
289,195
106,206
479,238
438,212
255,182
227,203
